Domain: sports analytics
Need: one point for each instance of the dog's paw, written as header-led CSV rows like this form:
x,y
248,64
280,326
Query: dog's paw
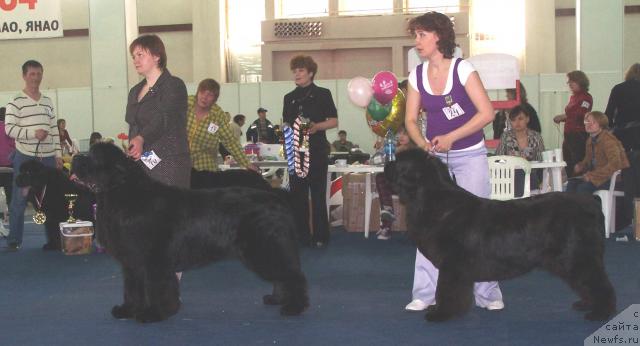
x,y
271,299
435,315
292,309
148,315
597,316
581,305
122,311
50,247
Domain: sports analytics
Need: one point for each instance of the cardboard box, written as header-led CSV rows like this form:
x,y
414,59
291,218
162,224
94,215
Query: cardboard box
x,y
353,196
77,237
353,191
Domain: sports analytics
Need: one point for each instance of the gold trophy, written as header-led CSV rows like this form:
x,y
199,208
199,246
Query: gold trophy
x,y
71,202
305,125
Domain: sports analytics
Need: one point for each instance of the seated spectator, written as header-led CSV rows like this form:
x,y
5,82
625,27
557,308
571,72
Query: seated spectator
x,y
523,142
96,137
500,123
261,130
236,126
65,140
7,147
342,144
604,154
236,130
387,214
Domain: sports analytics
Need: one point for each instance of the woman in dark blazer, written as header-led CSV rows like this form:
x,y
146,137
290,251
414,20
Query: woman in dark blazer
x,y
156,114
316,104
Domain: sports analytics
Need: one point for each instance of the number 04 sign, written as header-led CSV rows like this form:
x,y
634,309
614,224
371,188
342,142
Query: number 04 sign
x,y
30,19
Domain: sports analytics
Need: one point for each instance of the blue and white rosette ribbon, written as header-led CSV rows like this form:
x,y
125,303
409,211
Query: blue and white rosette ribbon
x,y
288,147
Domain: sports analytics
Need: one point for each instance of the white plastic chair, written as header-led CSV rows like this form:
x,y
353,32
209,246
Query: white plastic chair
x,y
502,170
608,201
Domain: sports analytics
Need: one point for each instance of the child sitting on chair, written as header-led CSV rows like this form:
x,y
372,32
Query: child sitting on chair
x,y
387,214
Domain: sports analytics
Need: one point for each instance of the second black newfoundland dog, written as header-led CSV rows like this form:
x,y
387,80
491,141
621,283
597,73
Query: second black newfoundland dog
x,y
45,187
471,239
154,230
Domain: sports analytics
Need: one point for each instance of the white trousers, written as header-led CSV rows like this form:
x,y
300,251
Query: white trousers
x,y
471,172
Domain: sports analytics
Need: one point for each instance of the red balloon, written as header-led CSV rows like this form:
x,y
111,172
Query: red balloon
x,y
385,86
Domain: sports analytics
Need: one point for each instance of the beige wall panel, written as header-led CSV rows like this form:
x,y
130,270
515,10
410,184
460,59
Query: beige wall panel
x,y
161,12
65,62
631,42
565,44
75,14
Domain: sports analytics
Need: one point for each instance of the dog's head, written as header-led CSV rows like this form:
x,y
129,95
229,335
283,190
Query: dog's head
x,y
32,174
416,170
106,166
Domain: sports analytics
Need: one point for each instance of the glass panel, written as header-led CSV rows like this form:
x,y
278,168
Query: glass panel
x,y
301,8
360,8
422,6
244,40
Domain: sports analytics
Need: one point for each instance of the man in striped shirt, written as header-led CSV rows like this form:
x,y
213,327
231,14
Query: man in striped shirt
x,y
31,121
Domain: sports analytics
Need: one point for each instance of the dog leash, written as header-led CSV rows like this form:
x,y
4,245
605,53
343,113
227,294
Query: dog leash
x,y
35,154
453,175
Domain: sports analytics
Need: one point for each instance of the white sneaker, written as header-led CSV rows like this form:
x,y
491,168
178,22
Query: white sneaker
x,y
494,305
416,305
3,231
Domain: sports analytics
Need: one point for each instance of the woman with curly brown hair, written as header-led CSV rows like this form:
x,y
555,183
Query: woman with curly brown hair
x,y
575,136
458,108
315,104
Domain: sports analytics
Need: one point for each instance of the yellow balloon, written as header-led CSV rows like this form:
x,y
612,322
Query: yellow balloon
x,y
394,119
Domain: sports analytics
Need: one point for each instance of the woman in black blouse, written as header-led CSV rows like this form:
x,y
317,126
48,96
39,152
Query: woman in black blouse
x,y
157,115
314,103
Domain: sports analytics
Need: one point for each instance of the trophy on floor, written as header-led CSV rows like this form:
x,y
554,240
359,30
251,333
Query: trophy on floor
x,y
305,125
71,202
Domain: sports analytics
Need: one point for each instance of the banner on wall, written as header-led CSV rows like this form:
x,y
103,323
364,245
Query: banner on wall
x,y
20,19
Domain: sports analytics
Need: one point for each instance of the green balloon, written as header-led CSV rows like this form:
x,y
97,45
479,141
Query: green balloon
x,y
377,110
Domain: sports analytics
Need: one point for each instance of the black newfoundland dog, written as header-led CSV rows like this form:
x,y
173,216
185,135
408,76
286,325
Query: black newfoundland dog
x,y
471,239
234,177
45,188
154,230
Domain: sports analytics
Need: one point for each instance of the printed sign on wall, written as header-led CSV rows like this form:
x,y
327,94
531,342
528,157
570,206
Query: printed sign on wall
x,y
21,19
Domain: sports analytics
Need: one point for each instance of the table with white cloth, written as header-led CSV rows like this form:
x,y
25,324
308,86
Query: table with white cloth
x,y
268,169
551,174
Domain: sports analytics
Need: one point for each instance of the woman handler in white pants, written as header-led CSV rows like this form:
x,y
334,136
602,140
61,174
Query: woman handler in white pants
x,y
457,108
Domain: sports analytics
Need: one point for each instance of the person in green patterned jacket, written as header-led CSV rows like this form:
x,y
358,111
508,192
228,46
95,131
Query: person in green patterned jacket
x,y
207,126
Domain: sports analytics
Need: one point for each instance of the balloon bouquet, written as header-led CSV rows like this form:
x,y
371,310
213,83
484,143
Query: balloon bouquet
x,y
385,103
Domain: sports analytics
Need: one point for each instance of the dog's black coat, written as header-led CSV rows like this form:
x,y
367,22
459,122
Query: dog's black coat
x,y
235,177
154,230
34,175
471,239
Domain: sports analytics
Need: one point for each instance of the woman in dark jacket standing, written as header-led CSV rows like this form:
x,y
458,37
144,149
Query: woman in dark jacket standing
x,y
316,104
623,109
156,114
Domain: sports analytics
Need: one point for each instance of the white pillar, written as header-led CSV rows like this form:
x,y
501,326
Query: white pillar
x,y
599,35
112,26
540,37
208,40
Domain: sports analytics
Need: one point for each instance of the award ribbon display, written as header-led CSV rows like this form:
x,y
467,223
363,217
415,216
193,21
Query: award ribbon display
x,y
301,168
288,147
